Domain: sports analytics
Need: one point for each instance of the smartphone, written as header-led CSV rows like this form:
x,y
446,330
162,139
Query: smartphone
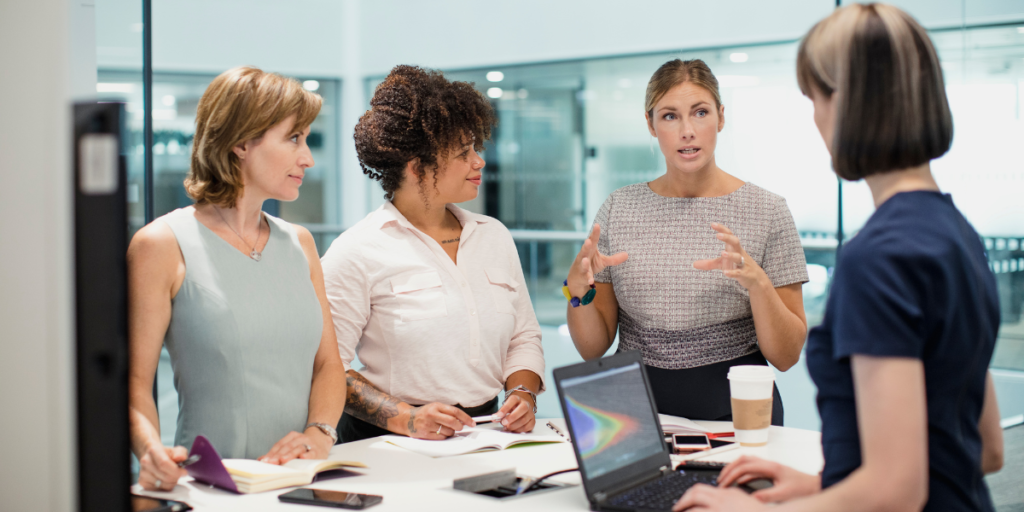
x,y
146,504
336,499
682,444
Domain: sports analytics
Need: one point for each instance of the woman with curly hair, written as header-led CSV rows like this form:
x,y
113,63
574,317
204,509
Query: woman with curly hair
x,y
430,297
236,295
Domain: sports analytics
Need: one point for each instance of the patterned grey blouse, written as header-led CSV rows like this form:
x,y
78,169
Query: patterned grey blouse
x,y
678,316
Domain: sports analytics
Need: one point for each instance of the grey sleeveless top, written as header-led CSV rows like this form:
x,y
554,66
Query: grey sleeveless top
x,y
675,315
242,339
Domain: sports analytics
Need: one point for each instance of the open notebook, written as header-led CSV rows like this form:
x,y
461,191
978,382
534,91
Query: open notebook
x,y
248,476
475,439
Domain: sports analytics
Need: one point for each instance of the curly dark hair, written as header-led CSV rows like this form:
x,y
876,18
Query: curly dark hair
x,y
418,113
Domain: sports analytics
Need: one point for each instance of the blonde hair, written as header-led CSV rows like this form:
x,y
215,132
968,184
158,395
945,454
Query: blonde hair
x,y
238,106
891,107
675,72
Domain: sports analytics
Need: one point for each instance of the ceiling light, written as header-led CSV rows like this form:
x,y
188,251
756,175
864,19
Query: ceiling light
x,y
494,92
168,100
311,85
113,87
495,76
738,57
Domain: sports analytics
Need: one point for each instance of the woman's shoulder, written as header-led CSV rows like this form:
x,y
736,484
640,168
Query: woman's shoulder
x,y
761,195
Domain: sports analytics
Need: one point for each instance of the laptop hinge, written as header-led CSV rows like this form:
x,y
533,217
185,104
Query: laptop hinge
x,y
600,497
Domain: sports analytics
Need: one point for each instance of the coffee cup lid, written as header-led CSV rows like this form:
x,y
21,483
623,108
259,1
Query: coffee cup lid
x,y
751,372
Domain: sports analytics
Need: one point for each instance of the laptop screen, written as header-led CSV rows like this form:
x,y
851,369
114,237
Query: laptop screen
x,y
611,419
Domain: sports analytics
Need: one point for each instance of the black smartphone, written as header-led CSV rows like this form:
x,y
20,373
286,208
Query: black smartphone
x,y
336,499
146,504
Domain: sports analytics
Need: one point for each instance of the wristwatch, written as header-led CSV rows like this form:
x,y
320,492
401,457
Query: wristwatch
x,y
326,429
524,389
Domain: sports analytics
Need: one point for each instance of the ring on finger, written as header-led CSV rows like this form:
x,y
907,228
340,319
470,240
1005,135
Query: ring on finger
x,y
158,483
742,262
439,427
307,447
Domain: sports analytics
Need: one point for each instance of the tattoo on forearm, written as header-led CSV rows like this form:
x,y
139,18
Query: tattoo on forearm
x,y
412,421
368,403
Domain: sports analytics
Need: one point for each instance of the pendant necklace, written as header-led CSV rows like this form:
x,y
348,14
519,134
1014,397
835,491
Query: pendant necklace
x,y
257,256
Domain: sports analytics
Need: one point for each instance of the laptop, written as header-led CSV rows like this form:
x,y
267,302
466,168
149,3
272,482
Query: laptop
x,y
617,437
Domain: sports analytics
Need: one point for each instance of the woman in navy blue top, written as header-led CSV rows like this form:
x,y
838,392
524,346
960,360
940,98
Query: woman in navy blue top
x,y
908,413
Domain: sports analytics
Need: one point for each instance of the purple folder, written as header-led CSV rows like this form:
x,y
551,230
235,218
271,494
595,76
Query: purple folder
x,y
209,469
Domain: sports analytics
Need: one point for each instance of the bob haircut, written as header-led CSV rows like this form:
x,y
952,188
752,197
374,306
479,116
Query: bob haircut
x,y
240,105
675,72
882,71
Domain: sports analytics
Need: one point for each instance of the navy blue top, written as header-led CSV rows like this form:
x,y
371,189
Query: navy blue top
x,y
913,283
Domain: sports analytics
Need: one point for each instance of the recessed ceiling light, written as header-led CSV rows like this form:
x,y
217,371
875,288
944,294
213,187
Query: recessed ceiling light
x,y
494,92
311,85
495,76
738,57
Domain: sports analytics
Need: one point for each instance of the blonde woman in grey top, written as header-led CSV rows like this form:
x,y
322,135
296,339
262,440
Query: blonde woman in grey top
x,y
237,296
697,270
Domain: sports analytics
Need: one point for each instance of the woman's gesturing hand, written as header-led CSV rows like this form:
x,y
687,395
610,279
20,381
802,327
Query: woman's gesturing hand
x,y
437,421
734,261
158,467
588,262
787,483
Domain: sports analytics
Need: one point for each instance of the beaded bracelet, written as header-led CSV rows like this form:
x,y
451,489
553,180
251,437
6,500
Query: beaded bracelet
x,y
576,301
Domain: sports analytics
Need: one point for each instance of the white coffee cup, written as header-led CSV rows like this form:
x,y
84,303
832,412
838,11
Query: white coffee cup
x,y
750,387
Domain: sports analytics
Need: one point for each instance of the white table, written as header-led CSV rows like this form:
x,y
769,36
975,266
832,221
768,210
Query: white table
x,y
409,481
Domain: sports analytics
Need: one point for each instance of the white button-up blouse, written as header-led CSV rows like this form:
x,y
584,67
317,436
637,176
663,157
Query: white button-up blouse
x,y
425,328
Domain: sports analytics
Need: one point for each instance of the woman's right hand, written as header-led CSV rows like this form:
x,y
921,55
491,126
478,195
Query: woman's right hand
x,y
158,467
437,421
787,483
588,262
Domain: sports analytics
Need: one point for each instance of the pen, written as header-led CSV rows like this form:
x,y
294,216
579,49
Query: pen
x,y
487,419
189,461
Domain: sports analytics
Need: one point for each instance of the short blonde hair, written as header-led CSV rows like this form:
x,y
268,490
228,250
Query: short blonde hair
x,y
675,72
238,106
891,107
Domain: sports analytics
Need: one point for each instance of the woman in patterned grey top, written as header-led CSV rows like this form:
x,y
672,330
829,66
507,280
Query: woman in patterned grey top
x,y
697,270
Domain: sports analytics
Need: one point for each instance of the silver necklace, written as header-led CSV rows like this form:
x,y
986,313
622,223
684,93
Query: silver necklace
x,y
259,230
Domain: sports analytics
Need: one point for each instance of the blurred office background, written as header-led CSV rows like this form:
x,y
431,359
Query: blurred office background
x,y
567,80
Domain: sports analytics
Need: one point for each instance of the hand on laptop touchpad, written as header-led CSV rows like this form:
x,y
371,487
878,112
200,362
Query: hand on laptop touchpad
x,y
756,485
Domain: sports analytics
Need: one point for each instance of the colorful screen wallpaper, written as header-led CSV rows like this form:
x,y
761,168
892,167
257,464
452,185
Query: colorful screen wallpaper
x,y
611,419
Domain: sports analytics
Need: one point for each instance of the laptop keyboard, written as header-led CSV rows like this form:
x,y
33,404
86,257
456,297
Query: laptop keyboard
x,y
664,492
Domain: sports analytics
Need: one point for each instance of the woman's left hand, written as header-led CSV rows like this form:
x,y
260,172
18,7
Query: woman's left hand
x,y
734,261
517,414
706,497
313,444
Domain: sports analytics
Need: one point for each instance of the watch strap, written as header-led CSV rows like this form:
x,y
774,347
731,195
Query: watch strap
x,y
326,429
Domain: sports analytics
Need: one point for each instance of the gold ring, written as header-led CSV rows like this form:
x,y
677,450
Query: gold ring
x,y
439,427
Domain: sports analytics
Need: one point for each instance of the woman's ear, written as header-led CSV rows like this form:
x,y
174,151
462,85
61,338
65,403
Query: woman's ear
x,y
241,150
721,117
650,123
413,170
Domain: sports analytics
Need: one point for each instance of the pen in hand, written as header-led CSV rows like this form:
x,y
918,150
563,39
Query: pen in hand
x,y
189,461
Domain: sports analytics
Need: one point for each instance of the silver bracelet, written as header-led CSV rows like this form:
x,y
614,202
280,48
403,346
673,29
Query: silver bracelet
x,y
524,389
326,429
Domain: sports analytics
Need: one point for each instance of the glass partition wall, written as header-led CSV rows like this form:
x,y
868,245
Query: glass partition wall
x,y
570,133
